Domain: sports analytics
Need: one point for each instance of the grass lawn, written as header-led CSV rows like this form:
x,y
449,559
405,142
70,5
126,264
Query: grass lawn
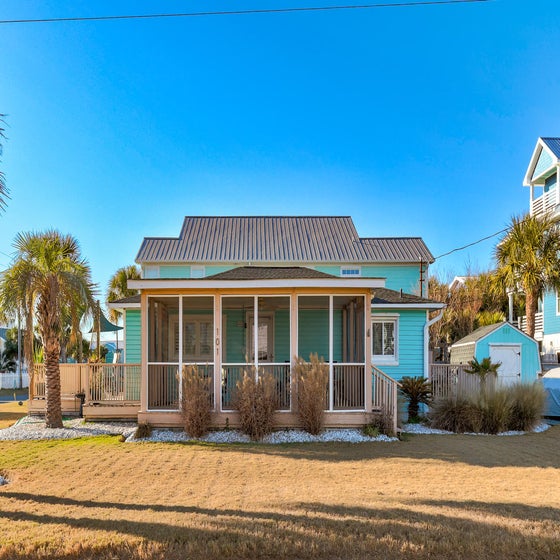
x,y
428,497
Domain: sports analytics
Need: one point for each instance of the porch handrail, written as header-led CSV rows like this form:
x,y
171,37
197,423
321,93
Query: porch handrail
x,y
385,390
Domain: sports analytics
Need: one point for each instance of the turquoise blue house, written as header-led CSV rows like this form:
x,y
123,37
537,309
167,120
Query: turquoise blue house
x,y
236,293
543,178
516,352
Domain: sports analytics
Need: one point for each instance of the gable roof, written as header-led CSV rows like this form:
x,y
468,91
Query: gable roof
x,y
278,239
385,298
545,156
482,332
268,273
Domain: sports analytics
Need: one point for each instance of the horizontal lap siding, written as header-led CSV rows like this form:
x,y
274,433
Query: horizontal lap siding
x,y
184,271
411,343
551,319
133,341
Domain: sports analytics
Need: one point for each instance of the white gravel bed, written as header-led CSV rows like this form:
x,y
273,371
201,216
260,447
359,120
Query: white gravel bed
x,y
283,436
34,428
423,429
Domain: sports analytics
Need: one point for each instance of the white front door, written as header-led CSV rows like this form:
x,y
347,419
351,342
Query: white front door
x,y
509,356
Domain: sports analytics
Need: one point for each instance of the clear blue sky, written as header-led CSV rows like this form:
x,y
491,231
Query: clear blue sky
x,y
414,121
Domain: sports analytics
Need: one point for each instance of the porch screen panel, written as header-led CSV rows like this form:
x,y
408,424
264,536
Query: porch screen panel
x,y
348,353
313,326
236,313
163,353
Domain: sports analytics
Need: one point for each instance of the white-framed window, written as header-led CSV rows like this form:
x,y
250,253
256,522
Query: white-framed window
x,y
198,271
385,339
198,338
350,271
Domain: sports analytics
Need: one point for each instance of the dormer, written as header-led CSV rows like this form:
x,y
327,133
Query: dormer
x,y
543,177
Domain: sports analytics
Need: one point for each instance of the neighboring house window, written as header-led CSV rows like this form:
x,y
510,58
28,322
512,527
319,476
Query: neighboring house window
x,y
350,271
385,339
198,271
151,271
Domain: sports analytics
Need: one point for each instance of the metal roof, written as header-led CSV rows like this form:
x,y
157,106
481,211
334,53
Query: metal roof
x,y
278,239
269,272
553,145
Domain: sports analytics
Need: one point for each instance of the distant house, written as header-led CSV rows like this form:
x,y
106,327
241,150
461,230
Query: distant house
x,y
543,179
231,294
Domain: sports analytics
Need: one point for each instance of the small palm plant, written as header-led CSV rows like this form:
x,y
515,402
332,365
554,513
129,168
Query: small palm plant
x,y
417,390
483,369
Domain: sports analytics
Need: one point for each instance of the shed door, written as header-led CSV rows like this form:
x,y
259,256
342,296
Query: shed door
x,y
509,355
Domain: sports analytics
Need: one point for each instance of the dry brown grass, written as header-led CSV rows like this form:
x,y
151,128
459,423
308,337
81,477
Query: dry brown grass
x,y
196,401
428,497
11,412
312,379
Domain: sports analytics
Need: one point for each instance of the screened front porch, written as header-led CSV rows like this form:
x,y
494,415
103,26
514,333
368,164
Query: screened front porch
x,y
226,335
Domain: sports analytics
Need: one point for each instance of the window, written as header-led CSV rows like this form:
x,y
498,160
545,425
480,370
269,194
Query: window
x,y
384,338
151,271
350,271
198,271
197,339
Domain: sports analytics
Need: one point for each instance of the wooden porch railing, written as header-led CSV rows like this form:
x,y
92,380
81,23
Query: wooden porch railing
x,y
385,390
101,383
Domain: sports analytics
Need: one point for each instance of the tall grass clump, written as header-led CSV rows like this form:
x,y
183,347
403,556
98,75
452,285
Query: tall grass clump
x,y
256,400
312,382
527,406
196,401
456,414
495,410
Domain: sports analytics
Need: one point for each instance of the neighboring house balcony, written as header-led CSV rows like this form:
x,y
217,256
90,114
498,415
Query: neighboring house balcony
x,y
539,325
547,203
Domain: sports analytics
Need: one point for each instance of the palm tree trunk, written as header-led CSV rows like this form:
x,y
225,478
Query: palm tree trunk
x,y
530,311
53,411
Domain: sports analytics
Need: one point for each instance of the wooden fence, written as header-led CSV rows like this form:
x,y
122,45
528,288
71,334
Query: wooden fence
x,y
452,380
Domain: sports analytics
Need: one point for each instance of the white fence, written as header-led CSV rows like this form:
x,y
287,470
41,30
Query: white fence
x,y
11,380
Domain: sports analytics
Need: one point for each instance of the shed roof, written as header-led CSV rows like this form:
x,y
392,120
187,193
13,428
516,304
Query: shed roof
x,y
278,239
481,332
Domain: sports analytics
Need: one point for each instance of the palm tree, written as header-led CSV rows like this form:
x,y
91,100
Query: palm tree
x,y
416,390
4,192
47,274
528,258
118,287
482,370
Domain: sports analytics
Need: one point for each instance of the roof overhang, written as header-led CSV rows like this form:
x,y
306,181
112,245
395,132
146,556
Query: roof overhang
x,y
192,284
408,305
117,305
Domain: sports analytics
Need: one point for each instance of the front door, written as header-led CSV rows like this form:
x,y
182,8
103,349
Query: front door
x,y
509,356
265,339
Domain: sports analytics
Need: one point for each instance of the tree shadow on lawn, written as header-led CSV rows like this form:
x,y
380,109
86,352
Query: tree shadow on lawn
x,y
529,450
307,530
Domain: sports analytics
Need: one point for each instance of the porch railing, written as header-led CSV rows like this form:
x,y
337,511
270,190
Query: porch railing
x,y
348,387
539,323
385,394
163,386
233,373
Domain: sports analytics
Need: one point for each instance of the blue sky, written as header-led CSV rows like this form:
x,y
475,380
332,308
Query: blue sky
x,y
414,121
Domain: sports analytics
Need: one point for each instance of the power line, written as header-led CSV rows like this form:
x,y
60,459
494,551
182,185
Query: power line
x,y
246,12
473,243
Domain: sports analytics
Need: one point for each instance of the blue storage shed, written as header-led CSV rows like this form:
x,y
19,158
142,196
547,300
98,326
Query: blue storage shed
x,y
516,351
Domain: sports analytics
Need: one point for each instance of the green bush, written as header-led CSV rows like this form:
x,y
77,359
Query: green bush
x,y
527,407
196,401
380,423
312,381
416,390
256,400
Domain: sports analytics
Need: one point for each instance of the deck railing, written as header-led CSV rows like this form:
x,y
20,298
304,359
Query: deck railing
x,y
73,379
385,394
539,323
163,386
544,203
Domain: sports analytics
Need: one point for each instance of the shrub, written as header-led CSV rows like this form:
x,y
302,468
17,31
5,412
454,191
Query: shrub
x,y
256,400
312,381
455,414
527,406
380,423
143,430
196,401
416,390
495,410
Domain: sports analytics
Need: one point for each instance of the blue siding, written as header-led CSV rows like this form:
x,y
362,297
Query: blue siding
x,y
133,342
530,362
411,343
406,277
544,162
184,271
551,319
551,182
